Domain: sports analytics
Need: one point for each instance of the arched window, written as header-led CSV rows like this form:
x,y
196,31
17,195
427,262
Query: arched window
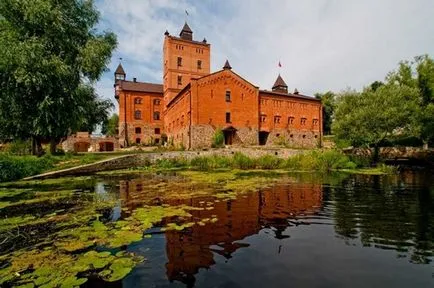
x,y
156,115
138,114
137,101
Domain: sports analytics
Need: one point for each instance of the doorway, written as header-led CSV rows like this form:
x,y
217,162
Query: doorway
x,y
229,134
263,136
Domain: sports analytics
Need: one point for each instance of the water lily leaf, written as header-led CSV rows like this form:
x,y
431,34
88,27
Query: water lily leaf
x,y
72,281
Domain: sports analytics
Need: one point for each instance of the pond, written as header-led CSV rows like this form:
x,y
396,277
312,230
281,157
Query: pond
x,y
222,229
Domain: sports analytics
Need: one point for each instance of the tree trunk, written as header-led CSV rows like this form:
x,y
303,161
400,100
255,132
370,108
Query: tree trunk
x,y
34,146
53,146
38,144
376,155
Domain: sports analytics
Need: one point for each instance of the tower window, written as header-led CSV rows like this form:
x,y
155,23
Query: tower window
x,y
157,131
138,130
303,121
263,118
156,115
228,117
276,119
228,96
290,120
179,80
199,64
137,114
156,101
137,101
179,61
315,122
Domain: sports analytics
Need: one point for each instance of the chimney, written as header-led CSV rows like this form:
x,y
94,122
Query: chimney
x,y
134,79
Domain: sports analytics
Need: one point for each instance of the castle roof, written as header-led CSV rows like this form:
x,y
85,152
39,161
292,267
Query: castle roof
x,y
279,83
141,87
120,69
227,65
186,28
289,95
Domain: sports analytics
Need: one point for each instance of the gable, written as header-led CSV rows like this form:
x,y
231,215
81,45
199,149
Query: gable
x,y
226,77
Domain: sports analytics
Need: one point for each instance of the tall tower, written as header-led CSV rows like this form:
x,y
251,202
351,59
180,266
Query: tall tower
x,y
183,59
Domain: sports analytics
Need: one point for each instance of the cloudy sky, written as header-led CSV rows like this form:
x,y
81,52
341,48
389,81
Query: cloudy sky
x,y
322,44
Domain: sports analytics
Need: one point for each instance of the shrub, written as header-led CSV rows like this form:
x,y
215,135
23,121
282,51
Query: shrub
x,y
17,167
19,147
218,139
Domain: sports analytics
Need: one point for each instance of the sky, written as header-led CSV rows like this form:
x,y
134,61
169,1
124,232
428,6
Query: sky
x,y
322,44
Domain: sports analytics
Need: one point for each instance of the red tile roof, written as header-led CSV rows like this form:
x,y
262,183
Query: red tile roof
x,y
289,95
142,87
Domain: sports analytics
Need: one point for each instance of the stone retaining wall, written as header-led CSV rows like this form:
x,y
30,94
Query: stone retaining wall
x,y
136,160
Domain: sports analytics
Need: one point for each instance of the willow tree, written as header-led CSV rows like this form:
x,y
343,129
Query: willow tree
x,y
50,51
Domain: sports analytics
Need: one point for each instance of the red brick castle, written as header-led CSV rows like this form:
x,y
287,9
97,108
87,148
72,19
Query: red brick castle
x,y
192,103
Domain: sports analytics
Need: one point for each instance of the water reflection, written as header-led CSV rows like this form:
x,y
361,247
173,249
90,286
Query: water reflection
x,y
393,213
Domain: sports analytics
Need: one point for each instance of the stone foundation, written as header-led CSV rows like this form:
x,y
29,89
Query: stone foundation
x,y
294,138
83,142
147,136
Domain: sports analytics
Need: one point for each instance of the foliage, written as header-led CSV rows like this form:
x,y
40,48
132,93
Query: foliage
x,y
19,147
110,126
323,161
50,54
328,101
218,139
380,115
14,167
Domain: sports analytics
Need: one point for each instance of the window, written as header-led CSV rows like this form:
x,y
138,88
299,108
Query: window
x,y
137,101
157,141
228,117
137,114
138,130
156,101
138,140
276,119
303,121
228,96
156,115
179,61
199,64
157,131
263,118
315,122
290,120
179,80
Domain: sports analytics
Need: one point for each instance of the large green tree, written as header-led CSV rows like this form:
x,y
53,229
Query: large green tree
x,y
110,126
50,55
419,74
328,101
370,117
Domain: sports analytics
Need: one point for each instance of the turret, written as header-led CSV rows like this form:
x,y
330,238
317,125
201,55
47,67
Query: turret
x,y
280,85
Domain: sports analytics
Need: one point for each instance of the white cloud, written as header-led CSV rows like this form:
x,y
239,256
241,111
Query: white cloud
x,y
323,45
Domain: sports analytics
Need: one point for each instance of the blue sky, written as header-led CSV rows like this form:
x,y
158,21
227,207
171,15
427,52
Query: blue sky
x,y
322,44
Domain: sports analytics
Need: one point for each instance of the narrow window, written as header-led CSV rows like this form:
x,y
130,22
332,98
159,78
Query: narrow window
x,y
290,120
138,114
179,61
137,101
157,131
228,117
199,64
315,122
228,96
157,141
156,101
263,118
156,115
303,121
276,119
179,80
138,140
138,130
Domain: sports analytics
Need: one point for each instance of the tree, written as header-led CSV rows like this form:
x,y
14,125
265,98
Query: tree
x,y
419,74
50,55
368,118
110,126
328,101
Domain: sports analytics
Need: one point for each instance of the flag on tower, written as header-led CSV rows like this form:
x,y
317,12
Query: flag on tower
x,y
186,12
280,65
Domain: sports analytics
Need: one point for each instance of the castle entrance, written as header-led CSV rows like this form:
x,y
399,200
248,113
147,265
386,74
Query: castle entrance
x,y
263,136
229,134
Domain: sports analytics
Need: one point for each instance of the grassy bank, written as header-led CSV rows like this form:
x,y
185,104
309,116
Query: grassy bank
x,y
317,160
14,167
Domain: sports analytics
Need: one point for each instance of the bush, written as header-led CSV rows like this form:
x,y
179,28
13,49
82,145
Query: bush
x,y
19,147
206,163
171,163
17,167
320,161
218,139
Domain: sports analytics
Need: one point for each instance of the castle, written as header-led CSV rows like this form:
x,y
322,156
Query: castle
x,y
192,103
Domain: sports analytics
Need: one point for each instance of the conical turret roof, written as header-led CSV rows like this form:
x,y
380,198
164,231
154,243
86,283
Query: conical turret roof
x,y
227,65
120,69
280,83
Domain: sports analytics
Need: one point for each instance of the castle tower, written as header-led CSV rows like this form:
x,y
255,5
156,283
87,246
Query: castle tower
x,y
280,85
183,59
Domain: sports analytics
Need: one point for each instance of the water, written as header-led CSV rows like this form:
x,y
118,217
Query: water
x,y
301,231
